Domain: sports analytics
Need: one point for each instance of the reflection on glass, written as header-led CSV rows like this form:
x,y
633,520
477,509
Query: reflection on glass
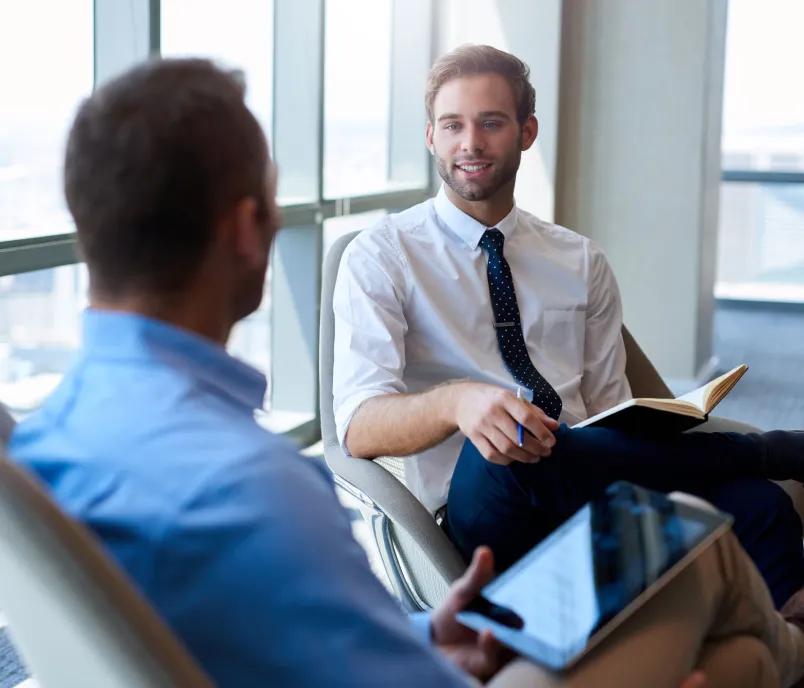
x,y
238,33
357,97
39,332
47,63
763,108
761,242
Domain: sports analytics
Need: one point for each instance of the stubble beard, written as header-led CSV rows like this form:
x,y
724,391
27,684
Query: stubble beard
x,y
475,191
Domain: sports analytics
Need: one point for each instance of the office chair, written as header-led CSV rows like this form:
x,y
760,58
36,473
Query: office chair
x,y
417,557
6,426
74,616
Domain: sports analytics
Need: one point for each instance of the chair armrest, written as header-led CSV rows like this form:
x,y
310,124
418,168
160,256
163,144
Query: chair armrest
x,y
393,499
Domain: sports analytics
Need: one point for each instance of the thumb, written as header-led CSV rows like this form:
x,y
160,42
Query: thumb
x,y
479,572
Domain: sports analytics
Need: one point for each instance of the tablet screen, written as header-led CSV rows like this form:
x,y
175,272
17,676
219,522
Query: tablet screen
x,y
589,571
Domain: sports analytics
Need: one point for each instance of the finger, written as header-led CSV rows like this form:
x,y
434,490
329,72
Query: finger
x,y
533,420
507,448
491,650
479,572
488,451
549,422
502,421
532,445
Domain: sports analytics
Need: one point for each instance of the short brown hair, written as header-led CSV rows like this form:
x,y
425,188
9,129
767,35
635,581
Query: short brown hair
x,y
154,159
469,60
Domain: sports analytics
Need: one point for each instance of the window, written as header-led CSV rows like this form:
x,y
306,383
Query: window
x,y
374,93
239,35
47,70
336,84
39,332
761,239
236,33
357,97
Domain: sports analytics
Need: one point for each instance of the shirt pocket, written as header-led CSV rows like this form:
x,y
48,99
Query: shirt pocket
x,y
563,339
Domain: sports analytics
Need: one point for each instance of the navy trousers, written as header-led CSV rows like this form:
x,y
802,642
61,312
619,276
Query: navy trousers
x,y
511,508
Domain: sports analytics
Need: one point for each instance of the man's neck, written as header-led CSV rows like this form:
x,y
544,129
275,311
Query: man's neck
x,y
193,315
487,212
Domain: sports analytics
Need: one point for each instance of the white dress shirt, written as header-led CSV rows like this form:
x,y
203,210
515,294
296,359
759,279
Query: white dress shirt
x,y
412,310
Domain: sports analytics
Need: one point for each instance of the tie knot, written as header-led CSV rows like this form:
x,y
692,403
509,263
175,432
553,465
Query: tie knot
x,y
492,241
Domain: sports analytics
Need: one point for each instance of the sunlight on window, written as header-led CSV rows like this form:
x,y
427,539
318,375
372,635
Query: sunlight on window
x,y
46,55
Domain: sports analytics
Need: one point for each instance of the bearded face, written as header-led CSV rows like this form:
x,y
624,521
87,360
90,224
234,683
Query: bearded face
x,y
476,137
478,177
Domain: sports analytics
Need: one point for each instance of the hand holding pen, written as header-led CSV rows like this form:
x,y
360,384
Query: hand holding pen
x,y
501,423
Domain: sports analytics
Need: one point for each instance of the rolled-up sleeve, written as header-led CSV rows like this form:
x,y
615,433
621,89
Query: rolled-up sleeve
x,y
604,383
370,325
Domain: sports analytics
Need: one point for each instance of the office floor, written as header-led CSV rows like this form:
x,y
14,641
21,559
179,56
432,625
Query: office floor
x,y
771,395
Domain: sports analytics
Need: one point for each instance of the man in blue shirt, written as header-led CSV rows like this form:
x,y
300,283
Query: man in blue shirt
x,y
151,441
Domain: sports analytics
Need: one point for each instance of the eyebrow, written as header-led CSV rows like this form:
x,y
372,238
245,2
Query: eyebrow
x,y
481,115
494,113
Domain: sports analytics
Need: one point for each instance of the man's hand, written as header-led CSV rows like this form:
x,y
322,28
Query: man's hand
x,y
488,416
478,654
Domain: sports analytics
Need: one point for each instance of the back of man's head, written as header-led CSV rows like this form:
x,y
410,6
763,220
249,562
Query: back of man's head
x,y
154,159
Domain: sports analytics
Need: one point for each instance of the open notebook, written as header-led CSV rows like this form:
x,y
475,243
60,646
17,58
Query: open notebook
x,y
679,414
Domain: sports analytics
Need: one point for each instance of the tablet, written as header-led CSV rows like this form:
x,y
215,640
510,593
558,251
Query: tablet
x,y
580,583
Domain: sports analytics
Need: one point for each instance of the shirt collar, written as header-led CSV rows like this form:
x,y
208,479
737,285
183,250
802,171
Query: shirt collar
x,y
465,226
119,335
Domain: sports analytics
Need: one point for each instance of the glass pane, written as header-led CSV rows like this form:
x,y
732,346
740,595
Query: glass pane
x,y
46,53
763,109
761,242
40,315
237,33
357,97
39,332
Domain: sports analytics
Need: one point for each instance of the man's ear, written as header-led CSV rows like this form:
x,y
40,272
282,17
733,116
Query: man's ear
x,y
247,233
428,137
530,130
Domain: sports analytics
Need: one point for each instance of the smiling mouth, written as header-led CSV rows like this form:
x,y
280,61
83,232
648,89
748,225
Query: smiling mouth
x,y
473,167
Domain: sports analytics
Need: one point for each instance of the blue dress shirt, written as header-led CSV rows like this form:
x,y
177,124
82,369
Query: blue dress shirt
x,y
238,542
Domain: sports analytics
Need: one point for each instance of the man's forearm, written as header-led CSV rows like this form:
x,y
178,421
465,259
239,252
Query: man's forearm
x,y
403,424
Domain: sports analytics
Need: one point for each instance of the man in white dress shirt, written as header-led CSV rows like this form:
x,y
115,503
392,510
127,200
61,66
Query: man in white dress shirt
x,y
422,369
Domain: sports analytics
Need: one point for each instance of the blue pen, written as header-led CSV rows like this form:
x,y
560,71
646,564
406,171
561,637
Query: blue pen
x,y
520,431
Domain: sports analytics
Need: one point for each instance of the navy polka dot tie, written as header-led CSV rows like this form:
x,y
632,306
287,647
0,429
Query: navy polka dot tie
x,y
509,327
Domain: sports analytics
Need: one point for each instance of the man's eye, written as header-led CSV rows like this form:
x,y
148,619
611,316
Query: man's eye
x,y
491,124
451,126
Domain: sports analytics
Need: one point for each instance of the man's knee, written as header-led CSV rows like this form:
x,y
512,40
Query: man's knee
x,y
757,504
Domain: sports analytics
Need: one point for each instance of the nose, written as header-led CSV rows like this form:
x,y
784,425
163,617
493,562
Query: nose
x,y
473,140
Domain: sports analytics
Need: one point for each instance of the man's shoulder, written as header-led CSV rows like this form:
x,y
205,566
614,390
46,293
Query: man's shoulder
x,y
394,230
556,234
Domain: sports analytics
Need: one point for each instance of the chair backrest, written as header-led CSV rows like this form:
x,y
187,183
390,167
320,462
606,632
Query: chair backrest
x,y
6,426
73,614
429,561
643,377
